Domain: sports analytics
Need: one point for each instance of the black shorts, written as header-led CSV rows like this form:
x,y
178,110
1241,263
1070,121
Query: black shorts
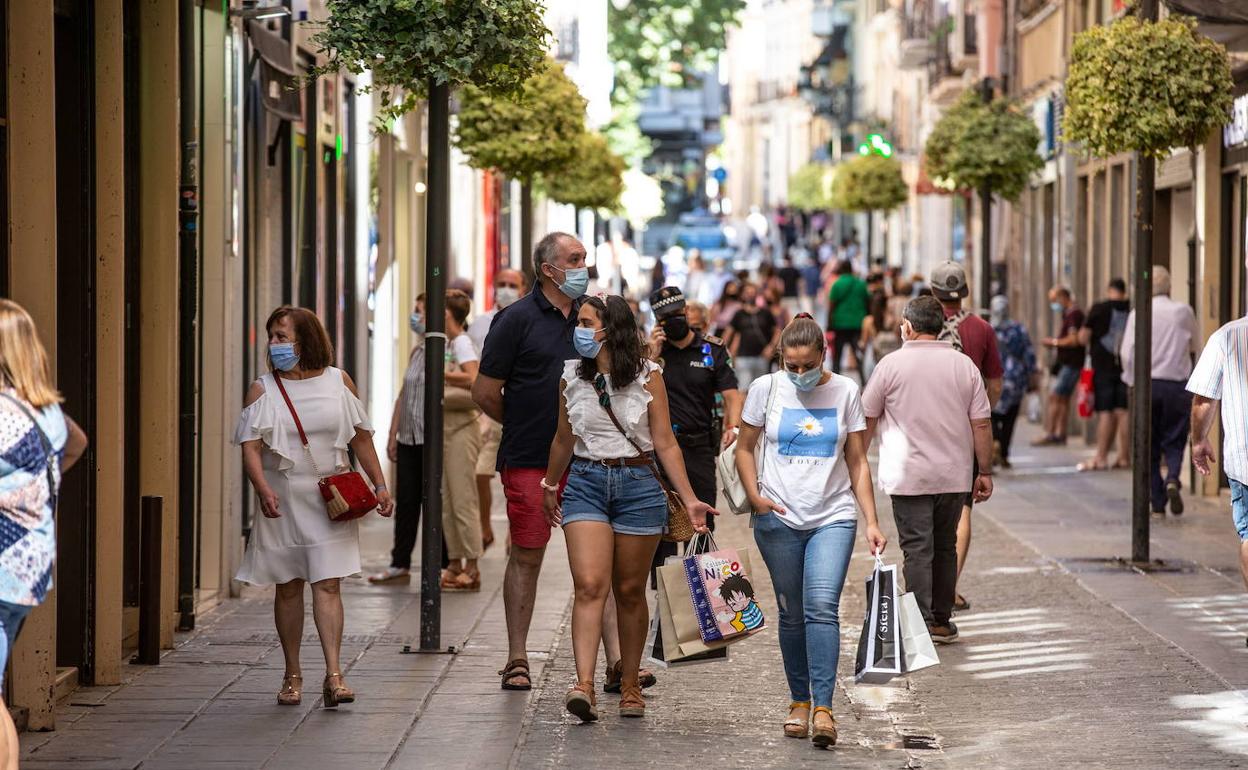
x,y
1109,391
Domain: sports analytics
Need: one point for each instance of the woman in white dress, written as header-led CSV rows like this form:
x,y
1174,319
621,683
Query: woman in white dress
x,y
295,541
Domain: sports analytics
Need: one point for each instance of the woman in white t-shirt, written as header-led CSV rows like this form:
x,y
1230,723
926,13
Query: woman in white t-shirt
x,y
462,440
812,466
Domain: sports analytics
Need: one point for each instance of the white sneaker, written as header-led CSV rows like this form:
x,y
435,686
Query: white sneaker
x,y
391,575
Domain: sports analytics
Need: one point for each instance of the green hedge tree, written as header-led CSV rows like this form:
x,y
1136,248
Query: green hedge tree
x,y
535,132
976,145
593,180
810,187
868,183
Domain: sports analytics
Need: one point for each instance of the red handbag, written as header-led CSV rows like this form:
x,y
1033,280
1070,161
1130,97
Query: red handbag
x,y
347,496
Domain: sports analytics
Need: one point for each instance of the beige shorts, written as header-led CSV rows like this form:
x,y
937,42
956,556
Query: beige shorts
x,y
489,450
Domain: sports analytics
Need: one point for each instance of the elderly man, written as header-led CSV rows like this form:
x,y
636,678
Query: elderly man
x,y
1174,343
932,409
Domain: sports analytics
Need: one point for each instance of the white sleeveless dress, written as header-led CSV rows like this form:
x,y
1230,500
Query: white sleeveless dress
x,y
303,542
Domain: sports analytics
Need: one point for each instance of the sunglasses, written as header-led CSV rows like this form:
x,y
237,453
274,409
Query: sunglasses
x,y
600,385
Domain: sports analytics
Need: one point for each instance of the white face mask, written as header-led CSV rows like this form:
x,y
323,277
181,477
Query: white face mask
x,y
506,295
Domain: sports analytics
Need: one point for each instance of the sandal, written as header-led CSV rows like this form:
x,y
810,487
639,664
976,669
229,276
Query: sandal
x,y
1091,465
467,581
290,695
823,736
335,694
797,727
632,704
516,669
580,702
615,678
450,580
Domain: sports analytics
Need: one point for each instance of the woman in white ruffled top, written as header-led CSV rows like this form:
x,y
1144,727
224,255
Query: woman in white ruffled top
x,y
613,509
295,541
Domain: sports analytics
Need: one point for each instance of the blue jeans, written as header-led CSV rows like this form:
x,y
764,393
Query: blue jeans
x,y
11,617
808,572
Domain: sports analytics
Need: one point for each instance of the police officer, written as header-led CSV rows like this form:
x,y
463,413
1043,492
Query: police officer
x,y
695,367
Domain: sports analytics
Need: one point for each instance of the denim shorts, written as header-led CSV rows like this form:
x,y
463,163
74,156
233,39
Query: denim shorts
x,y
11,617
1239,508
627,497
1067,379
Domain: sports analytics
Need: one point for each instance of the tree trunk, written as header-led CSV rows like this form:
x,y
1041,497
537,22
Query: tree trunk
x,y
526,226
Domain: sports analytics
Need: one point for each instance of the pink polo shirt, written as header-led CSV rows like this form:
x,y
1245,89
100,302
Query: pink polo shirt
x,y
925,396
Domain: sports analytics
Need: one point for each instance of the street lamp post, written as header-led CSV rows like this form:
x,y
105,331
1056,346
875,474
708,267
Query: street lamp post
x,y
985,207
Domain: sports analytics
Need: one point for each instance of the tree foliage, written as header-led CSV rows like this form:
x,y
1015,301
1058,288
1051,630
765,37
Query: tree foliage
x,y
810,187
534,132
976,144
660,42
593,180
1145,87
495,45
868,183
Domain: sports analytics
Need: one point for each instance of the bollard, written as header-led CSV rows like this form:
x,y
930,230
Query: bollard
x,y
151,511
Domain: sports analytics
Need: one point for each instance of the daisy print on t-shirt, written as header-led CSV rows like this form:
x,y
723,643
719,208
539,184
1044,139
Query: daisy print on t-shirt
x,y
807,433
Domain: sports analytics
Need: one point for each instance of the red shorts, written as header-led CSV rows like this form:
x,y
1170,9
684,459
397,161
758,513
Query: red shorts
x,y
523,490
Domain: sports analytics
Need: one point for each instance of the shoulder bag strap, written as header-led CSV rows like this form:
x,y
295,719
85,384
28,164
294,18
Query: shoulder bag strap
x,y
606,404
49,451
771,399
303,437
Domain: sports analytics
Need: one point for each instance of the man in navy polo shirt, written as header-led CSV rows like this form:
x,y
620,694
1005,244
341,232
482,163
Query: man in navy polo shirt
x,y
518,385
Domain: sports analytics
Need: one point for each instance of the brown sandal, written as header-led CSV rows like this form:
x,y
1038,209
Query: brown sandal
x,y
615,678
822,735
335,694
516,669
797,727
290,695
580,702
468,581
632,704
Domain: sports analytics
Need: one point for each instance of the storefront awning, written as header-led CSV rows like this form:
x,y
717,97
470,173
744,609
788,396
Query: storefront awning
x,y
277,72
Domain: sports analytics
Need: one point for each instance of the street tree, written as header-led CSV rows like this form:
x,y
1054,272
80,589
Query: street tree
x,y
421,49
536,131
977,144
1145,86
869,183
592,180
810,187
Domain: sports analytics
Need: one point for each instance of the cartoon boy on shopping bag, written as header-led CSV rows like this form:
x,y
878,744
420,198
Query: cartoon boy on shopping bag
x,y
738,594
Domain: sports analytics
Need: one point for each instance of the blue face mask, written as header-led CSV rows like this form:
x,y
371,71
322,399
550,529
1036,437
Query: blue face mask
x,y
575,281
283,356
807,380
417,322
1056,307
583,340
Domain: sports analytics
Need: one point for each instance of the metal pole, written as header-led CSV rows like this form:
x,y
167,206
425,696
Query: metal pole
x,y
1142,393
870,244
985,215
150,549
437,227
526,227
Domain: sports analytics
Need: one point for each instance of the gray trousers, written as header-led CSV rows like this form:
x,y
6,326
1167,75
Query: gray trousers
x,y
927,527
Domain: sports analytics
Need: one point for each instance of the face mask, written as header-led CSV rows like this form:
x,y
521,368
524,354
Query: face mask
x,y
1056,307
282,354
676,327
584,342
575,281
505,295
807,380
417,322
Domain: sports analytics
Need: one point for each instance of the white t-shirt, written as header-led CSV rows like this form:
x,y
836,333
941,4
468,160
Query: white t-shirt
x,y
802,464
461,351
480,327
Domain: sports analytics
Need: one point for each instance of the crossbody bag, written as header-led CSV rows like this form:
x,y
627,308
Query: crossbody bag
x,y
347,496
679,525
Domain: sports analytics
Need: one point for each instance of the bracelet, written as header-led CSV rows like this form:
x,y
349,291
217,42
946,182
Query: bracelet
x,y
379,487
549,487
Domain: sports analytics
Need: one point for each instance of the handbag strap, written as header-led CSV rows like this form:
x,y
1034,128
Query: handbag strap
x,y
606,404
303,437
49,451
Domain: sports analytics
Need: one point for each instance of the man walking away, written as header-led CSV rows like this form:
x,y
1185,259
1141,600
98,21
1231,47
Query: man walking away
x,y
934,418
791,279
518,386
1221,375
975,338
751,337
1067,365
509,286
1102,334
848,300
1174,343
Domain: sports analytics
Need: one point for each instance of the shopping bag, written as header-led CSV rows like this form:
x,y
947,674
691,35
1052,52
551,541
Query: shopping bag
x,y
879,656
722,594
1035,408
678,620
655,655
1084,401
918,651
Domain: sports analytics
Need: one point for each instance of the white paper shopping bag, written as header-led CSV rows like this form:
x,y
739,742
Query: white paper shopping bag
x,y
916,643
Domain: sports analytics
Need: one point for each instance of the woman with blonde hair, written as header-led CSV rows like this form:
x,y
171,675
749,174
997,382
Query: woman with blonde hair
x,y
37,444
295,542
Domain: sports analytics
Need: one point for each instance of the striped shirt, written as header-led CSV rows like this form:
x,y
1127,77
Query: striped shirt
x,y
1221,374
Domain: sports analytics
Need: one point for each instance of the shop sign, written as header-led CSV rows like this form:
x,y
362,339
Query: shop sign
x,y
1235,133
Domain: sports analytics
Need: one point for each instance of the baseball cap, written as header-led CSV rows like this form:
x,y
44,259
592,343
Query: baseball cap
x,y
948,280
667,301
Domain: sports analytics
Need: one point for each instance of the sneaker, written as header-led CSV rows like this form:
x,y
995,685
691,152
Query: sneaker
x,y
391,575
1174,498
943,634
